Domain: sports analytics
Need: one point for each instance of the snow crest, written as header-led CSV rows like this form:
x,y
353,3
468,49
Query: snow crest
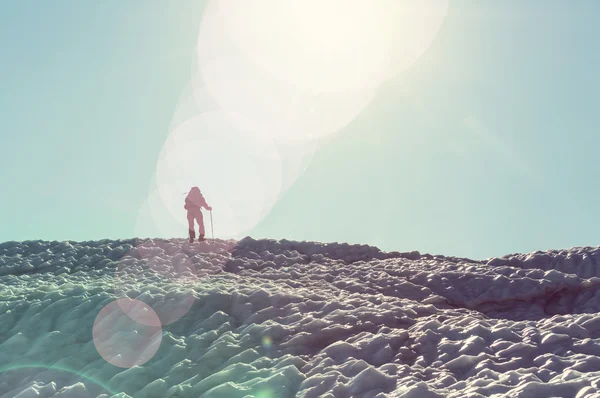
x,y
266,318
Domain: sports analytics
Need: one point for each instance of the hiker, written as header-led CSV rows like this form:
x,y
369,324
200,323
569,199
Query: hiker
x,y
193,203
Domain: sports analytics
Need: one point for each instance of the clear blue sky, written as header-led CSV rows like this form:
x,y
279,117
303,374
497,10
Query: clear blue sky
x,y
486,146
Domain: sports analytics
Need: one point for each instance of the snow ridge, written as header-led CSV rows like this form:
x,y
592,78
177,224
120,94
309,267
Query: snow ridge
x,y
266,318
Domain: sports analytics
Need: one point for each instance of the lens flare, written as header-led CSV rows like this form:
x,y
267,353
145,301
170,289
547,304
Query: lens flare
x,y
332,45
235,166
267,342
56,368
298,114
124,334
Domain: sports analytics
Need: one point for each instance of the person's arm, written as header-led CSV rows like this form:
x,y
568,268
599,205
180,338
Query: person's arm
x,y
205,205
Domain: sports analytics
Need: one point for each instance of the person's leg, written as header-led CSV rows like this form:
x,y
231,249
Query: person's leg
x,y
200,220
190,218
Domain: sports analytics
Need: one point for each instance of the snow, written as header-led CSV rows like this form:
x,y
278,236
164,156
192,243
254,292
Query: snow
x,y
266,318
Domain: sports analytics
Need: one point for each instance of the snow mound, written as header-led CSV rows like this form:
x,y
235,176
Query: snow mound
x,y
266,318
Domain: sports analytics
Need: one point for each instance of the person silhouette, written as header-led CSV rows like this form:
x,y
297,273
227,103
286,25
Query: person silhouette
x,y
194,202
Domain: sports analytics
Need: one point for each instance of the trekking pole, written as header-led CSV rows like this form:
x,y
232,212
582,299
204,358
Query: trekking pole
x,y
212,232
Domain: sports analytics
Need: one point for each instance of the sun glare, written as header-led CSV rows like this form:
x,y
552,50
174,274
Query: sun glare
x,y
285,76
280,60
315,45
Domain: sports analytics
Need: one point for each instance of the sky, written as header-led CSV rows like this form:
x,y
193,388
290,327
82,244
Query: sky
x,y
484,146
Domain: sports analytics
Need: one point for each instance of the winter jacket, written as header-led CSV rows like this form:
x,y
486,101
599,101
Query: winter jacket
x,y
195,201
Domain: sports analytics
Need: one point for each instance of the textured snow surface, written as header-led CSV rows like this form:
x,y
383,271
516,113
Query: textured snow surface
x,y
267,319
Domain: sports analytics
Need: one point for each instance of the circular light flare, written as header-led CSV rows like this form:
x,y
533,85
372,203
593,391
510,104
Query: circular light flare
x,y
124,333
235,166
267,342
332,45
317,45
294,114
